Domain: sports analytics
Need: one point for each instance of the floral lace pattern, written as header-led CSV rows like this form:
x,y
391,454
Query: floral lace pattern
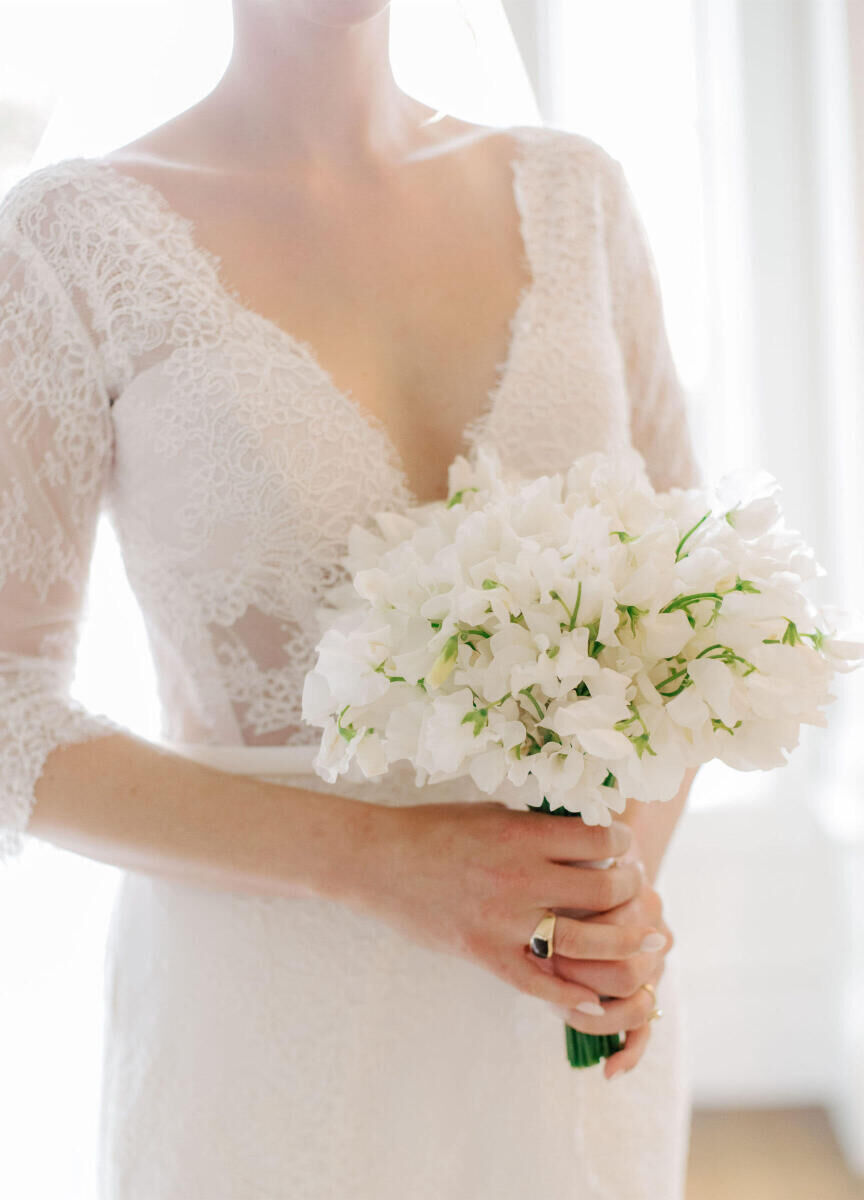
x,y
132,376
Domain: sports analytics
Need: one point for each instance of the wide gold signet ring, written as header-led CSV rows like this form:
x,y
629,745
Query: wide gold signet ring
x,y
541,943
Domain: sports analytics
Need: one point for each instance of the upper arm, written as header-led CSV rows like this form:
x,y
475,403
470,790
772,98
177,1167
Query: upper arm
x,y
659,425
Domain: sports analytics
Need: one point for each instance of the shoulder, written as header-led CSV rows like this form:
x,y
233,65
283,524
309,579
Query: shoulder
x,y
33,201
580,172
580,187
55,214
81,225
69,207
575,152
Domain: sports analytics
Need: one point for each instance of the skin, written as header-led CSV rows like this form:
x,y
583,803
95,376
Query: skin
x,y
329,194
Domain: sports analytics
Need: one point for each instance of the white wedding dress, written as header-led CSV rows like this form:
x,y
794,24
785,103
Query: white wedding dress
x,y
293,1049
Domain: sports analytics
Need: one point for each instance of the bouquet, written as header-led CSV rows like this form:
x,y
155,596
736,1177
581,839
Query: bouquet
x,y
579,634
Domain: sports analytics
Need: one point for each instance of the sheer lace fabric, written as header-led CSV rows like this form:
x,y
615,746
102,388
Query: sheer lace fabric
x,y
134,379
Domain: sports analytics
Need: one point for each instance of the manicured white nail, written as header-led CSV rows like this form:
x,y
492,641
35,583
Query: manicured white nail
x,y
618,1074
588,1006
654,941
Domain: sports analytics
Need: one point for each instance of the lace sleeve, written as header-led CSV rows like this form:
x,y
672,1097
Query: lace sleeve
x,y
659,425
55,451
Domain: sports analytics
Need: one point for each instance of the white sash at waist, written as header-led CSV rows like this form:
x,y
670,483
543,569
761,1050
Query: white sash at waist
x,y
249,760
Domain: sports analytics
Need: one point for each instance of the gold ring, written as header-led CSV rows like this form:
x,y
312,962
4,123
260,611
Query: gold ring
x,y
655,1012
542,937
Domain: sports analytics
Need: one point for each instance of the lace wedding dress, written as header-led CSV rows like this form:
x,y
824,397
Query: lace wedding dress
x,y
259,1048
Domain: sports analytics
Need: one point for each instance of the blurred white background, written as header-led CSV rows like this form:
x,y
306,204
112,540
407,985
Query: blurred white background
x,y
740,128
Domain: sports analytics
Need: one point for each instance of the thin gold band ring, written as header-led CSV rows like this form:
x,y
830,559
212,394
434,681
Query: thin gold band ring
x,y
655,1012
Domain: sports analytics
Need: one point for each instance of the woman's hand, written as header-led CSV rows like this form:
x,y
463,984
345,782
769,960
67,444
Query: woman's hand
x,y
473,879
626,1003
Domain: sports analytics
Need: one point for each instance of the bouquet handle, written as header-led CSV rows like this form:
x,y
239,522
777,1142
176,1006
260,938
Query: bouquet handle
x,y
588,1049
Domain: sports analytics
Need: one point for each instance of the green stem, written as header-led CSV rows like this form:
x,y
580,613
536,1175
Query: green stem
x,y
686,601
688,534
571,617
526,691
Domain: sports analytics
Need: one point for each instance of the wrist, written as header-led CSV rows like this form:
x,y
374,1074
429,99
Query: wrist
x,y
637,853
641,850
349,848
653,823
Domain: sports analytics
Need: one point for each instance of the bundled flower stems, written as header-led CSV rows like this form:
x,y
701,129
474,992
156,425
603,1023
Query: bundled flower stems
x,y
577,633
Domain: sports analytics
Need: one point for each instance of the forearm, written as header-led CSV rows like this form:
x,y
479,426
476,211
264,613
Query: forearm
x,y
129,803
654,824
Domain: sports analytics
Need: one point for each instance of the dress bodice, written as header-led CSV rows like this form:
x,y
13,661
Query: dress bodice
x,y
134,379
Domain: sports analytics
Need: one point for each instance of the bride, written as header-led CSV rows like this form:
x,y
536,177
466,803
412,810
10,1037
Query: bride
x,y
287,309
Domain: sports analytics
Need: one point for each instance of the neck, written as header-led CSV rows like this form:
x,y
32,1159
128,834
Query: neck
x,y
297,88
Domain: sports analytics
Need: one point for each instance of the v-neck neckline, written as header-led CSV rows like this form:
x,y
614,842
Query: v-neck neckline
x,y
523,137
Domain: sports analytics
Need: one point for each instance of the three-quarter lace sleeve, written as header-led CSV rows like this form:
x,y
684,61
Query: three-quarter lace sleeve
x,y
659,425
55,452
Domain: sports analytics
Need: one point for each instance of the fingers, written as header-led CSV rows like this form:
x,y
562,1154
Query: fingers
x,y
582,940
633,1049
628,1013
614,979
561,993
567,841
646,907
629,1016
593,888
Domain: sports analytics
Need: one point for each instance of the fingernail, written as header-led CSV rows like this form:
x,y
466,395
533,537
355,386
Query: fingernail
x,y
654,941
588,1006
621,1071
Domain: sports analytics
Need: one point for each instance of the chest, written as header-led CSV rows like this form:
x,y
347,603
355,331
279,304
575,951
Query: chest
x,y
405,298
413,325
361,355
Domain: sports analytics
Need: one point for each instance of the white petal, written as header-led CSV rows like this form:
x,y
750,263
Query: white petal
x,y
606,743
688,709
663,635
488,770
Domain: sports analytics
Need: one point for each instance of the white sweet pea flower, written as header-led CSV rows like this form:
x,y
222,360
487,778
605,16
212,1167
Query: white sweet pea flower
x,y
842,655
513,656
446,740
334,754
469,606
508,732
660,635
395,527
445,663
586,715
757,746
689,709
402,730
749,502
489,769
346,660
605,743
720,687
318,700
652,777
555,773
371,755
